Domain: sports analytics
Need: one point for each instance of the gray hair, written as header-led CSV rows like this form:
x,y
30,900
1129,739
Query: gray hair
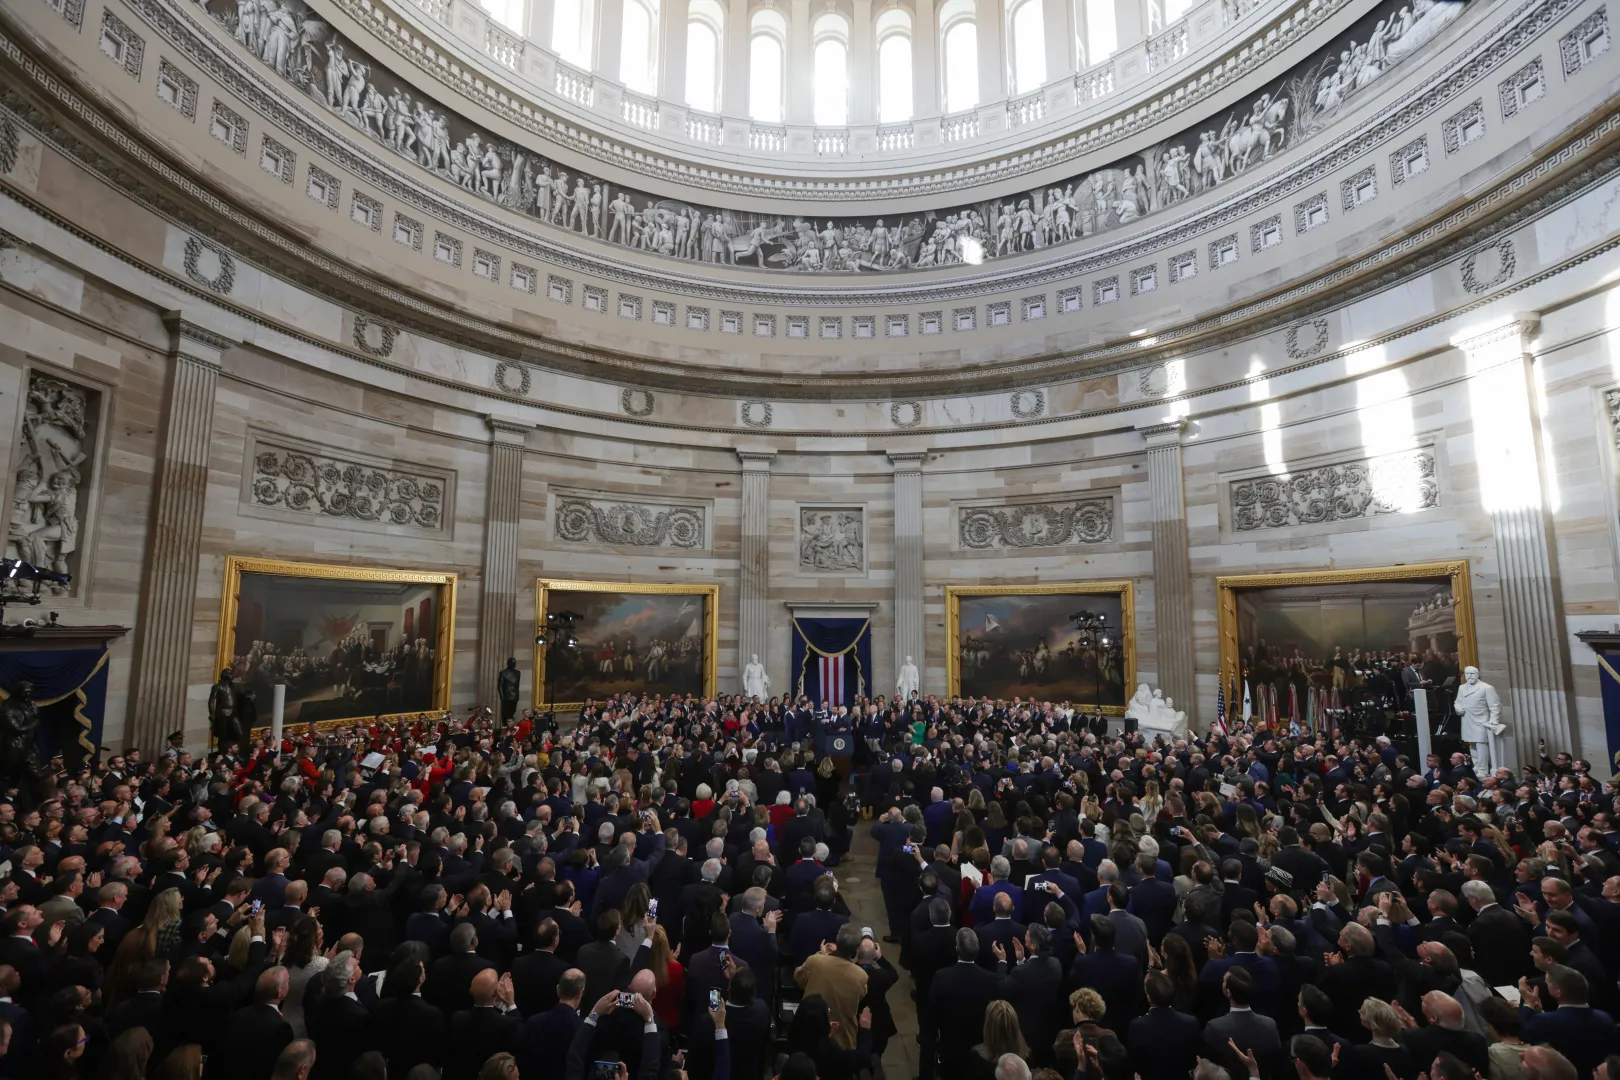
x,y
335,878
604,832
359,884
1011,1067
755,835
331,838
1107,871
1000,867
1476,890
711,870
715,848
753,900
339,973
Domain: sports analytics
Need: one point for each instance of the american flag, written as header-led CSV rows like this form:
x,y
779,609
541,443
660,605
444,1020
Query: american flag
x,y
1220,708
831,671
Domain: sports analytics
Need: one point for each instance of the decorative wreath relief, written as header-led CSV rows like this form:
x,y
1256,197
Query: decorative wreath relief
x,y
628,401
380,344
756,414
511,378
1028,404
905,414
209,266
1506,263
1300,347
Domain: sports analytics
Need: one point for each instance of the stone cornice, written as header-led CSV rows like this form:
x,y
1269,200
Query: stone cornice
x,y
187,337
756,459
1499,344
1158,436
504,432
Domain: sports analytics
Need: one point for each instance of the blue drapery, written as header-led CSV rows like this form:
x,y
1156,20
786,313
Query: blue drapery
x,y
1609,681
70,688
849,638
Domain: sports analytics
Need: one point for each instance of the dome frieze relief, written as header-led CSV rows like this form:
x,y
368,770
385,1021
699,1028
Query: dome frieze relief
x,y
328,69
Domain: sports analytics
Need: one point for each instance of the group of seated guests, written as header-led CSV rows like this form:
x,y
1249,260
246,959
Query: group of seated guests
x,y
657,894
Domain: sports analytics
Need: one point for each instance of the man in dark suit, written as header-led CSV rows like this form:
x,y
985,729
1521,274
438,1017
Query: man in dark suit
x,y
368,911
410,1031
1153,901
753,939
603,962
23,1030
1501,940
1113,974
805,824
1315,1013
111,899
143,1008
450,978
1445,1033
818,924
1163,1042
491,1026
431,925
573,931
257,1033
747,1028
957,1001
1255,1035
996,937
1266,976
535,973
1233,893
546,1036
339,1024
668,880
20,950
698,905
622,870
1359,976
1035,989
1581,1033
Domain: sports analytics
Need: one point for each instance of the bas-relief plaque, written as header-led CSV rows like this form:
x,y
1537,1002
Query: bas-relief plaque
x,y
56,459
832,539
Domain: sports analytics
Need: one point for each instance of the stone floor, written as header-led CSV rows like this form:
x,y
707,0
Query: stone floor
x,y
858,883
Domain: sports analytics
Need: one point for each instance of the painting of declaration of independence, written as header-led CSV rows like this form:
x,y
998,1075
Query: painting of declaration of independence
x,y
1041,643
335,73
346,648
632,639
1359,646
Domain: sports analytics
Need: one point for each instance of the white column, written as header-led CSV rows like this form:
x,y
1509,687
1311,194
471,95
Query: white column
x,y
1130,23
609,28
1057,19
754,581
734,87
990,18
672,16
925,60
1508,455
1079,36
862,64
1172,577
801,72
908,559
541,14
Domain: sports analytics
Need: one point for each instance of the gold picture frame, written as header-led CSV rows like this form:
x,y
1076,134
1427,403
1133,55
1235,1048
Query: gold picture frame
x,y
1457,571
444,620
1124,589
548,590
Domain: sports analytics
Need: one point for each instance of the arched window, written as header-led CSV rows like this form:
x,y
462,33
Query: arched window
x,y
638,59
1101,30
703,56
509,13
572,26
960,67
1026,61
894,66
767,55
830,35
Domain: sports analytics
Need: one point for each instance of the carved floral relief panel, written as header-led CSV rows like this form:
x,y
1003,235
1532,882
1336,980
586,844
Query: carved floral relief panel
x,y
1359,488
608,519
345,489
1023,526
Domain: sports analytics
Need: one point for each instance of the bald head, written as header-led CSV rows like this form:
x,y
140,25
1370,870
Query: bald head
x,y
483,987
1443,1010
645,984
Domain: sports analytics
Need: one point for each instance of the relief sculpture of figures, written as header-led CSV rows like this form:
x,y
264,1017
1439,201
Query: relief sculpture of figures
x,y
55,451
831,540
288,37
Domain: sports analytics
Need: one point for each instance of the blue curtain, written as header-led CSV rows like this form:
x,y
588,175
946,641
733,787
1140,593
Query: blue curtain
x,y
849,638
70,688
1609,681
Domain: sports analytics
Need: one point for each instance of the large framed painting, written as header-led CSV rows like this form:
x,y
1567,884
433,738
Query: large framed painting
x,y
350,643
1073,642
629,639
1341,639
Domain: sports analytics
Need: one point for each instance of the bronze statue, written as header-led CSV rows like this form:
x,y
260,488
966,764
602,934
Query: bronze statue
x,y
506,688
19,739
226,709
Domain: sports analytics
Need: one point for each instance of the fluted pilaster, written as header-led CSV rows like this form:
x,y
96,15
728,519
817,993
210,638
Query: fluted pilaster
x,y
754,582
908,560
1507,443
497,607
1172,577
168,615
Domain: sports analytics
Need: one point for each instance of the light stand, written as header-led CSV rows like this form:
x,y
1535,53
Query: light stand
x,y
1094,633
14,571
559,632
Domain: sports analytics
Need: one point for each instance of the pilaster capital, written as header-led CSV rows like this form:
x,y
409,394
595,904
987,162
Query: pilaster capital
x,y
194,342
1159,436
756,459
907,461
1509,340
504,432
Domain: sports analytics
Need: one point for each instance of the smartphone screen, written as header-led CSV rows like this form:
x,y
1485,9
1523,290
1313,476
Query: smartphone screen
x,y
714,999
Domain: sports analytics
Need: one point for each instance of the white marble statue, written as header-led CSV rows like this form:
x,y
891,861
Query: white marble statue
x,y
1140,707
1166,717
756,684
1481,711
906,684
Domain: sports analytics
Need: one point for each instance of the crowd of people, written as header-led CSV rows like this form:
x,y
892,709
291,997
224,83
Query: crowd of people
x,y
657,891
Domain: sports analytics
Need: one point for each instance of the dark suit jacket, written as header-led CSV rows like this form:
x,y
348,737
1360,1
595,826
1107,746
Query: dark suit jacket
x,y
957,1001
449,982
605,968
117,926
572,930
475,1035
1253,1033
24,1034
998,932
411,1032
544,1040
431,928
534,981
141,1010
1164,1044
1035,989
1117,977
254,1038
1585,1036
1154,902
931,952
810,929
342,1029
1501,944
1354,981
757,947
